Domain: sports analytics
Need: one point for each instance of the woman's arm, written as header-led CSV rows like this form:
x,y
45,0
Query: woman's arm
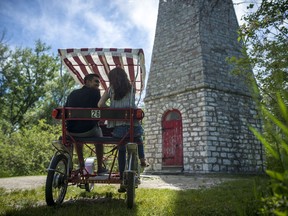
x,y
103,99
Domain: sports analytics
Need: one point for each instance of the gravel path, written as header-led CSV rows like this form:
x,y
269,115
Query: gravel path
x,y
175,182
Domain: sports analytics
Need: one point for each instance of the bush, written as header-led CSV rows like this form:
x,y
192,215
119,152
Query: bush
x,y
27,151
276,128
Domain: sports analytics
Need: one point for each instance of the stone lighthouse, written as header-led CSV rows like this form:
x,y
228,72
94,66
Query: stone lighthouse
x,y
198,113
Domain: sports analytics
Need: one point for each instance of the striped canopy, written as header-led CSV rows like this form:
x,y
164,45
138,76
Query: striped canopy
x,y
81,62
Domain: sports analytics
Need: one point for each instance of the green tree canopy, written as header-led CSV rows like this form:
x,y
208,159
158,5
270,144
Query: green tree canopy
x,y
30,85
265,34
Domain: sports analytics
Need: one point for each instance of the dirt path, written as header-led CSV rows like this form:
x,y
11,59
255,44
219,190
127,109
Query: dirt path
x,y
175,182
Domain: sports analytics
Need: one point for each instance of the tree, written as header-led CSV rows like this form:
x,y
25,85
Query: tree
x,y
265,37
25,74
30,88
4,55
265,34
55,95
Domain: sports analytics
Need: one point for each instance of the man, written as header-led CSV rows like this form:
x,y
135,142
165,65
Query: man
x,y
86,97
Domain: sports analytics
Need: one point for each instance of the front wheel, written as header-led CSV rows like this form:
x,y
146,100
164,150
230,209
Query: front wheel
x,y
130,189
57,180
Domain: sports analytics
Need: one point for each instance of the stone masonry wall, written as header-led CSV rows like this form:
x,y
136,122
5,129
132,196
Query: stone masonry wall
x,y
176,58
215,137
219,40
231,145
189,73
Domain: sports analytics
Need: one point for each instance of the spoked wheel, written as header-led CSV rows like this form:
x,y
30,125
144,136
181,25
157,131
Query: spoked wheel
x,y
56,182
130,189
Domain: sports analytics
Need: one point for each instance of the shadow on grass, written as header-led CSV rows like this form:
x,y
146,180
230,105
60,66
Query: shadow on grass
x,y
79,206
82,204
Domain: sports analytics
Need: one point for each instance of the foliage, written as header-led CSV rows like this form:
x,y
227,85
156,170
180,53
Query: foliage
x,y
231,198
278,148
27,151
30,89
55,92
4,55
30,85
24,76
265,38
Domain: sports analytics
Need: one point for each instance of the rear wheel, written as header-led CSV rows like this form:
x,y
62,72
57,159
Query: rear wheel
x,y
130,189
57,181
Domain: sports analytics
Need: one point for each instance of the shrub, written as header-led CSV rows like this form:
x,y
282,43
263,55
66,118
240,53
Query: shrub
x,y
276,143
27,151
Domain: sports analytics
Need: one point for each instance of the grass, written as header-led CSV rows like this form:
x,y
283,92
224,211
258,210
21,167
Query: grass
x,y
238,197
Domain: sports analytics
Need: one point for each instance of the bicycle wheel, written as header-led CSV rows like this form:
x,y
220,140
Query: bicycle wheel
x,y
133,165
56,182
130,198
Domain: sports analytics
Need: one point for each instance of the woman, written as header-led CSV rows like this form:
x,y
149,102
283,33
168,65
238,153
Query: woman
x,y
119,92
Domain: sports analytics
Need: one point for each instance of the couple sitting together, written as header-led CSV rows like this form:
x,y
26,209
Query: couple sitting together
x,y
89,96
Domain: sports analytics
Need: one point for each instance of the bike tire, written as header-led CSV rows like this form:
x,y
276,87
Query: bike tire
x,y
130,198
57,180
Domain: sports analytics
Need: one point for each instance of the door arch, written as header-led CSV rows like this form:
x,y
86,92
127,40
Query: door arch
x,y
172,146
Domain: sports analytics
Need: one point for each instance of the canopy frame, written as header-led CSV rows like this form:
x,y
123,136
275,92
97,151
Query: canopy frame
x,y
83,61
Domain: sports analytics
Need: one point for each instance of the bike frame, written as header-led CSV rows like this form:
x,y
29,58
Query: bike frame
x,y
67,142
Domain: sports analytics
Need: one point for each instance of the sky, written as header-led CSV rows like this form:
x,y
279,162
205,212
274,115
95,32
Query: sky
x,y
85,23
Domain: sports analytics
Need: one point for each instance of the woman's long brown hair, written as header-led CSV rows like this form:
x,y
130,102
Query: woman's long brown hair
x,y
119,82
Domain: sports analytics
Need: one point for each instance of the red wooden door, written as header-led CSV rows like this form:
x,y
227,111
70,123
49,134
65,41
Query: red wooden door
x,y
172,149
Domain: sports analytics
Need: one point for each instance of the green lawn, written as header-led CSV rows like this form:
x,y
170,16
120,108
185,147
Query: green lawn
x,y
237,197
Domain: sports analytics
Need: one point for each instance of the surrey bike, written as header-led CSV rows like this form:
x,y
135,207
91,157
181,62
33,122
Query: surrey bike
x,y
62,172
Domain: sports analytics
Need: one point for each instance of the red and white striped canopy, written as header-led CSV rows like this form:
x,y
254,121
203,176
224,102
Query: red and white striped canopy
x,y
81,62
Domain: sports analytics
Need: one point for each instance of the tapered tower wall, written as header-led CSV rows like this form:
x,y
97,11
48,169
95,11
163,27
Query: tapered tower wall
x,y
189,73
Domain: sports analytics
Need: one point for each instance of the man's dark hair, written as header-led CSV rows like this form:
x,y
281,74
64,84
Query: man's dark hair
x,y
90,77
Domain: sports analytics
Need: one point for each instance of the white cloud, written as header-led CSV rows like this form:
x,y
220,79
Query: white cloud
x,y
88,23
142,15
103,31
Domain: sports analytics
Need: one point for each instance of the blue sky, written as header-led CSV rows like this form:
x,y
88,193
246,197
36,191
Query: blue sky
x,y
85,23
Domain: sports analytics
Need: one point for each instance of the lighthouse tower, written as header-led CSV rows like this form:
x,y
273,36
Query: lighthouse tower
x,y
198,113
